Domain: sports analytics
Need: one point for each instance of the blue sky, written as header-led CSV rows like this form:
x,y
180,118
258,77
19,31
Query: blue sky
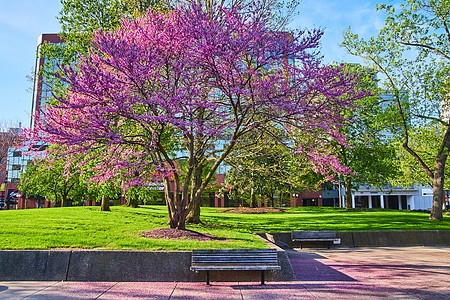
x,y
22,21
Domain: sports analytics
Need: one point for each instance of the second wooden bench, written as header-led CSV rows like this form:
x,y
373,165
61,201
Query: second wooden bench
x,y
315,236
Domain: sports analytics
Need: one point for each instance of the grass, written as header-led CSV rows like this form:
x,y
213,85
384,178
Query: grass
x,y
90,228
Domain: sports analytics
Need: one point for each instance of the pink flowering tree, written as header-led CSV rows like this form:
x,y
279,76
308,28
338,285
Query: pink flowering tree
x,y
182,89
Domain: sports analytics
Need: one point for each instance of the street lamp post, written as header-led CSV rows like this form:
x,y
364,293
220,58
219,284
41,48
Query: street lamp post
x,y
3,202
5,195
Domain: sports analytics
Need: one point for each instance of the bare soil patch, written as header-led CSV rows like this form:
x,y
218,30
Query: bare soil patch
x,y
169,233
256,210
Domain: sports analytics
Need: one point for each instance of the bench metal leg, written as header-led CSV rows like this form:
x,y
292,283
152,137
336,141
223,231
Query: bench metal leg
x,y
207,277
262,277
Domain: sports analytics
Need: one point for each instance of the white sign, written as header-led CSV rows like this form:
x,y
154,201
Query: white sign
x,y
155,186
427,192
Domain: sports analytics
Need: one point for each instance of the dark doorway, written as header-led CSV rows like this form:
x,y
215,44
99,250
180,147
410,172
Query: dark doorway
x,y
226,199
392,202
404,202
330,202
361,201
376,202
364,201
310,202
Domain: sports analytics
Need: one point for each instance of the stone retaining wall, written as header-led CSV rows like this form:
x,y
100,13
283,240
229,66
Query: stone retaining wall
x,y
98,265
375,238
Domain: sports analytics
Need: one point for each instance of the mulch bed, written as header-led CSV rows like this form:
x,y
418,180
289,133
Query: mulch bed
x,y
256,210
169,233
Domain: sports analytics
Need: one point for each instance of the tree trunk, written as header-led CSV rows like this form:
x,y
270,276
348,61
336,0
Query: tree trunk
x,y
348,192
438,188
194,215
132,202
253,203
57,203
178,212
105,204
178,220
64,202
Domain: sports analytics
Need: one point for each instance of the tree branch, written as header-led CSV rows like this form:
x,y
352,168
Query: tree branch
x,y
425,46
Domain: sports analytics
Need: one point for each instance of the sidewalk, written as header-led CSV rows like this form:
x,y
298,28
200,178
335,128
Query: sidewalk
x,y
357,273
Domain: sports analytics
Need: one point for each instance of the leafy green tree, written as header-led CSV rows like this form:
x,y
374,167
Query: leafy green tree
x,y
262,166
412,52
60,178
136,195
370,154
423,139
48,178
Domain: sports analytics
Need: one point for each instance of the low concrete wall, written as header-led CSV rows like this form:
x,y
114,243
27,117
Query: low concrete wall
x,y
34,265
374,238
401,238
98,265
129,266
281,239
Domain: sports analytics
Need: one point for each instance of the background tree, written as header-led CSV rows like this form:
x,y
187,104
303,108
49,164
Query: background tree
x,y
59,177
50,179
136,195
412,52
264,165
202,78
371,155
423,140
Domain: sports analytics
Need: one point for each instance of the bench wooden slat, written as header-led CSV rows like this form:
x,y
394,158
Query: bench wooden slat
x,y
216,261
233,254
222,258
315,236
253,265
336,240
234,268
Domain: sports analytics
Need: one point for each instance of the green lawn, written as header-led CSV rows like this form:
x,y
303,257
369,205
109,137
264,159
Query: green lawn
x,y
88,227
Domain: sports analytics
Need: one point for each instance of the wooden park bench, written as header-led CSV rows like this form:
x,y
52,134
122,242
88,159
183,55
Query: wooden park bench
x,y
234,260
315,236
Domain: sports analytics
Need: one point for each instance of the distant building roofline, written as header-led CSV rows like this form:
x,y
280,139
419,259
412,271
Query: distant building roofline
x,y
50,37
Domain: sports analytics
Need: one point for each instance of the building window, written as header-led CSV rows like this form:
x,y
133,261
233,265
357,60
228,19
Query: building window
x,y
17,154
16,167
